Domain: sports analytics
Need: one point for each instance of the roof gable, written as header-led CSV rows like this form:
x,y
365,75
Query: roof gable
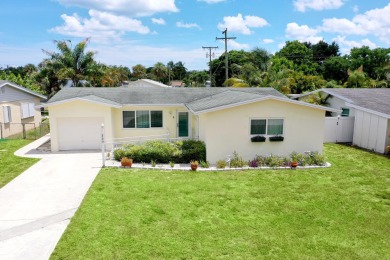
x,y
4,83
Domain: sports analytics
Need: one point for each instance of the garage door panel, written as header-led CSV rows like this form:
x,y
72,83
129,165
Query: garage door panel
x,y
79,133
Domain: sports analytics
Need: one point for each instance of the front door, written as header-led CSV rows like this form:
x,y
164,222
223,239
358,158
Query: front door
x,y
183,124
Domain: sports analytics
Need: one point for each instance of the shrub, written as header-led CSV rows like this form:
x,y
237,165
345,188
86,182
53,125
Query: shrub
x,y
192,150
204,164
236,161
253,163
221,164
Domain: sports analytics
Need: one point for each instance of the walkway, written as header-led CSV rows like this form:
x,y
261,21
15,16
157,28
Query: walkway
x,y
36,207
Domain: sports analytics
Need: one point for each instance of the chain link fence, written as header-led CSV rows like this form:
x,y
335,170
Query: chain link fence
x,y
29,131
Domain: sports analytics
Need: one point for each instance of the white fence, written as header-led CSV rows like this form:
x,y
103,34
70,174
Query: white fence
x,y
339,129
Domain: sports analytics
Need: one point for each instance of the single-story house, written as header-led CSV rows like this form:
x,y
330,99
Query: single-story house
x,y
19,108
370,108
224,118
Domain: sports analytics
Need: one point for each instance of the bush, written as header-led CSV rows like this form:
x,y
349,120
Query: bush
x,y
236,161
163,152
221,164
192,150
204,164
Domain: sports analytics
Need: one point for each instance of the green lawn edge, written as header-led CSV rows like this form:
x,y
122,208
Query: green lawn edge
x,y
11,165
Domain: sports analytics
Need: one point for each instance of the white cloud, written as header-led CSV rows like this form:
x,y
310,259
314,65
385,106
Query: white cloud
x,y
346,45
101,25
187,25
302,33
375,22
302,5
130,53
356,9
127,7
241,24
267,41
211,1
238,46
159,21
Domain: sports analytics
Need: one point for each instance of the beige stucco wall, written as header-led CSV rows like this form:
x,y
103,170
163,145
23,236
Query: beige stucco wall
x,y
15,127
78,109
228,130
169,122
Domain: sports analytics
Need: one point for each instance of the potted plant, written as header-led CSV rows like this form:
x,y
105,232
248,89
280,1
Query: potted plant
x,y
126,162
258,138
294,160
276,138
194,165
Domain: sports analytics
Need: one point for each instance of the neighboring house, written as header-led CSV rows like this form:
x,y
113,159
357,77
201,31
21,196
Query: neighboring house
x,y
176,83
147,83
224,118
19,108
369,109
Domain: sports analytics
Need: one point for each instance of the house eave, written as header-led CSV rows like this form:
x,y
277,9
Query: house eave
x,y
80,99
262,99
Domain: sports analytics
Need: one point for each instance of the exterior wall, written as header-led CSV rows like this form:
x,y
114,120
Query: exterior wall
x,y
170,124
228,130
78,109
371,131
15,126
388,134
338,103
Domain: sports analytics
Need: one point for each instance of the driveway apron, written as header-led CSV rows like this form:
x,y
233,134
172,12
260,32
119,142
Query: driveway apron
x,y
36,207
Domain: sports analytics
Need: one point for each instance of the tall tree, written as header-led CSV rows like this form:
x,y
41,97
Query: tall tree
x,y
72,63
160,71
139,71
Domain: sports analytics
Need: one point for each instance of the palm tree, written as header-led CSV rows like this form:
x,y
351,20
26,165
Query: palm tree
x,y
160,71
72,64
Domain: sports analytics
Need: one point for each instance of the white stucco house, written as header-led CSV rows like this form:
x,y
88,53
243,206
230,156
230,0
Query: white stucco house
x,y
370,110
224,118
19,108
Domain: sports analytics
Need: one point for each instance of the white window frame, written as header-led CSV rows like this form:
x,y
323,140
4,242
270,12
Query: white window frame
x,y
266,125
7,115
150,119
27,110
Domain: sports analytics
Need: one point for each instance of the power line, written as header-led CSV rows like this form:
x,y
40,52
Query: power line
x,y
226,53
210,49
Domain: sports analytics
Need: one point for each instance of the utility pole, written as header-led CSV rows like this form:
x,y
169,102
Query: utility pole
x,y
210,49
226,53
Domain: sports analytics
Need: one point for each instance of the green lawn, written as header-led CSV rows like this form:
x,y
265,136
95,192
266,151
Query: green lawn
x,y
11,165
342,212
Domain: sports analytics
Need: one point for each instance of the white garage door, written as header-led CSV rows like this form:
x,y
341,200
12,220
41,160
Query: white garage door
x,y
79,133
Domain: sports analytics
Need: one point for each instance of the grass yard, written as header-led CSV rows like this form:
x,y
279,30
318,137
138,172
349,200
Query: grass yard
x,y
338,213
11,165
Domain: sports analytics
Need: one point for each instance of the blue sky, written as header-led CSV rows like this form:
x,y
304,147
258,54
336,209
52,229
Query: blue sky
x,y
130,32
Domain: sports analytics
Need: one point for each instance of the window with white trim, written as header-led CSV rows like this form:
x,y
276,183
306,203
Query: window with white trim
x,y
143,119
7,114
28,110
267,126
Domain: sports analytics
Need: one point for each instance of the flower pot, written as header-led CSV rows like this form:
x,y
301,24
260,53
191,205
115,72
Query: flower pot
x,y
293,165
194,167
126,162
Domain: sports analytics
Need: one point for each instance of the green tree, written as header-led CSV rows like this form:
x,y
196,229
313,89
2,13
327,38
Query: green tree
x,y
139,71
72,63
160,71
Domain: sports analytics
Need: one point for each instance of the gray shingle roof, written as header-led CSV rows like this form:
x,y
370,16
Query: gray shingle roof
x,y
375,99
6,82
199,98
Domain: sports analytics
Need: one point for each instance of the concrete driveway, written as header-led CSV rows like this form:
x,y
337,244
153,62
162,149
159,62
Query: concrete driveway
x,y
36,207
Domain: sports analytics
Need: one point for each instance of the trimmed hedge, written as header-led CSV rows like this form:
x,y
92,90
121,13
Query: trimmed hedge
x,y
163,152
